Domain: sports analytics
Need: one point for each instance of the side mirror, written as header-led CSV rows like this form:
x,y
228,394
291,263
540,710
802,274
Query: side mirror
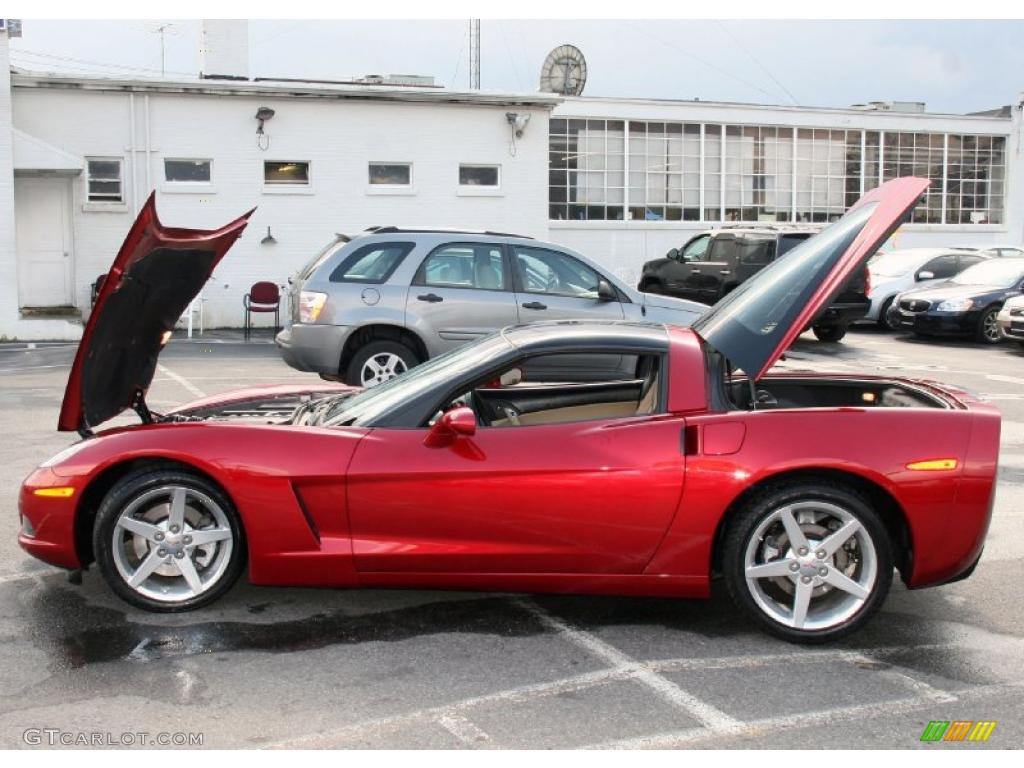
x,y
673,254
925,274
452,424
605,292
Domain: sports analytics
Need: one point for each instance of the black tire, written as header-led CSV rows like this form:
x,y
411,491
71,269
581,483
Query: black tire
x,y
129,489
830,332
759,508
353,374
883,315
987,331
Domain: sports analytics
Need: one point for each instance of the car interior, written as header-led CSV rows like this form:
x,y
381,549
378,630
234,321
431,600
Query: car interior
x,y
512,398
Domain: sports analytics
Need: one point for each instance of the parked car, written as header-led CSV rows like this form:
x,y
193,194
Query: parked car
x,y
461,474
1011,319
1012,251
897,271
368,308
714,263
967,304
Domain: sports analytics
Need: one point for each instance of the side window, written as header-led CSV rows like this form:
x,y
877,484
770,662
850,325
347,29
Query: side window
x,y
373,263
464,265
722,249
941,266
968,261
554,273
696,249
755,251
631,386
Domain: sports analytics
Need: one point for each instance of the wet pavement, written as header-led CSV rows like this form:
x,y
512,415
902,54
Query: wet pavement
x,y
372,668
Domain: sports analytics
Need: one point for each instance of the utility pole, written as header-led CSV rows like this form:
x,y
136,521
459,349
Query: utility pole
x,y
474,54
162,29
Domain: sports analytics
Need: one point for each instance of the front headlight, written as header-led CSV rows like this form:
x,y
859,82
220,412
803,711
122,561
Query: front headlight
x,y
67,453
955,305
310,305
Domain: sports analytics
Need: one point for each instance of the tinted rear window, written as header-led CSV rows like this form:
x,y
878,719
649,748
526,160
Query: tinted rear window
x,y
789,242
372,263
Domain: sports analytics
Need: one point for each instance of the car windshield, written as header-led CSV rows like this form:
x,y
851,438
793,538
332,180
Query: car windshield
x,y
369,404
896,264
998,272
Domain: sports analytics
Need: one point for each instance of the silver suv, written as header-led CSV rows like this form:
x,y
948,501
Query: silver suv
x,y
369,307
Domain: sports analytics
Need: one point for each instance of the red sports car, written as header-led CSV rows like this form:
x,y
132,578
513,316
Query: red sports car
x,y
803,491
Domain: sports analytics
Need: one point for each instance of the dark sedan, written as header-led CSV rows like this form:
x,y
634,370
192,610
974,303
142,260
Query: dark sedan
x,y
965,305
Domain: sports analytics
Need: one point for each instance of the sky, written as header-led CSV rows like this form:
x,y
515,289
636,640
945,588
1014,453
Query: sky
x,y
953,66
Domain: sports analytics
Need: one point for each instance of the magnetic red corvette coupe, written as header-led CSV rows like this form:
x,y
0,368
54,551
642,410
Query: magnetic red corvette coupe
x,y
803,491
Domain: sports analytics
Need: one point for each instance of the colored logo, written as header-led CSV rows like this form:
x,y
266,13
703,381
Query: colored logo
x,y
958,730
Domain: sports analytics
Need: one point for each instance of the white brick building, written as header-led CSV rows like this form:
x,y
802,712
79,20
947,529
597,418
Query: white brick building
x,y
622,180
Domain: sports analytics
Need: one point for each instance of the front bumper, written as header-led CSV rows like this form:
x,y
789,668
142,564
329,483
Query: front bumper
x,y
313,348
933,323
1012,323
48,522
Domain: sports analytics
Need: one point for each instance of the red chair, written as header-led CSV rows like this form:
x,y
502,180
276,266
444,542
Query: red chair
x,y
262,297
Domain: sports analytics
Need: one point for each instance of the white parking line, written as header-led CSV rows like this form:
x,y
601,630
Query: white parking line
x,y
181,380
708,715
465,731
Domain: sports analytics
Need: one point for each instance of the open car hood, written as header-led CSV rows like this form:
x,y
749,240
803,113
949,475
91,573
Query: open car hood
x,y
756,323
156,274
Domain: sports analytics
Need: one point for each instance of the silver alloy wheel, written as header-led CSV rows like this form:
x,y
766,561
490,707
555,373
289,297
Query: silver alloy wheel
x,y
990,326
380,368
810,565
172,543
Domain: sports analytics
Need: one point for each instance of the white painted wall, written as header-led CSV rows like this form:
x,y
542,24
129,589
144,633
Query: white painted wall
x,y
339,138
8,256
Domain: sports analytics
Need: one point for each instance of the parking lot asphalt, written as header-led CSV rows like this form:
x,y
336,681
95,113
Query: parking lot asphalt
x,y
373,668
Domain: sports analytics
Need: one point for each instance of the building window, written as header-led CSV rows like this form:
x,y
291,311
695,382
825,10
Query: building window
x,y
587,175
188,171
976,179
391,174
286,173
104,180
709,172
479,175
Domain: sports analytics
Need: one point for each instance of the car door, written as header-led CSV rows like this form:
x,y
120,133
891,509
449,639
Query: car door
x,y
675,272
551,285
583,497
460,292
705,278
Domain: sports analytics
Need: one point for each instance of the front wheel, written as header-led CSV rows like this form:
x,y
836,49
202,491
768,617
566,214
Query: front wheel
x,y
884,322
808,562
168,540
829,332
988,330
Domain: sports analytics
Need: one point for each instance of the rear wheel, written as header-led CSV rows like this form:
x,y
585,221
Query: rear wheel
x,y
988,330
829,332
168,540
378,361
809,562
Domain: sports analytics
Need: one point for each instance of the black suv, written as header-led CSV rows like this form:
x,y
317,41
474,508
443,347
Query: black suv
x,y
713,263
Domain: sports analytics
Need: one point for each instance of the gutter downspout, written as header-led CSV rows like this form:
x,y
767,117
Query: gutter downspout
x,y
149,143
131,151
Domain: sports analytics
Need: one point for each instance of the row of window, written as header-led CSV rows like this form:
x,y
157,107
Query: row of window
x,y
105,177
660,171
477,266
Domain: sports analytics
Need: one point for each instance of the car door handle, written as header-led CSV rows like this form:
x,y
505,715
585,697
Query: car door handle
x,y
433,298
534,305
724,271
